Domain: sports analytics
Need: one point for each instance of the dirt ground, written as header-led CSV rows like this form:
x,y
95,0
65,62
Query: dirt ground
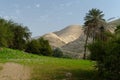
x,y
14,71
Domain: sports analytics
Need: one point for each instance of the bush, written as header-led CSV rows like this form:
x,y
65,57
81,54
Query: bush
x,y
39,46
33,47
45,48
97,50
107,55
57,52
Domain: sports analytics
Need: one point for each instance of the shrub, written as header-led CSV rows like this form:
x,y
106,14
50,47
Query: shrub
x,y
107,55
57,52
97,50
33,47
39,46
45,48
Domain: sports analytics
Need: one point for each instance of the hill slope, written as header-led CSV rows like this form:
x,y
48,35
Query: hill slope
x,y
54,40
64,36
75,48
71,39
70,33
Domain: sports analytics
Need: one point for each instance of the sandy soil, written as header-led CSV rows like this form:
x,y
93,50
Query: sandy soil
x,y
14,71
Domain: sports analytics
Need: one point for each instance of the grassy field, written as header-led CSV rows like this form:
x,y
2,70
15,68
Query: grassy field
x,y
49,68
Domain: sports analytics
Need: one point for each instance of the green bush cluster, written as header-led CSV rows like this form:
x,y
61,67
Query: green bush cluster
x,y
39,46
57,52
107,55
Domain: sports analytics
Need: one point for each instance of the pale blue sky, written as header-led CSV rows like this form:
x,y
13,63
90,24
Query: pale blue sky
x,y
43,16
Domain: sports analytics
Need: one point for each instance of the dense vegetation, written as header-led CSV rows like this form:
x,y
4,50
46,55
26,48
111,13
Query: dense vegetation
x,y
13,35
94,26
57,53
105,48
17,36
39,46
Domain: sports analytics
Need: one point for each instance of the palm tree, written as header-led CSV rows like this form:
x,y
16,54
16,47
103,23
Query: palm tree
x,y
94,26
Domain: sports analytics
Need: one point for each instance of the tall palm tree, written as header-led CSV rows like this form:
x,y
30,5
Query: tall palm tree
x,y
94,26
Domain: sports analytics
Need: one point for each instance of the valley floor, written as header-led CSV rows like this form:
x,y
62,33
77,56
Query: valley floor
x,y
17,65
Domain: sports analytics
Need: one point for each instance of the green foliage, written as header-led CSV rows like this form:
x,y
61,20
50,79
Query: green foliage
x,y
111,63
94,23
21,35
5,33
39,46
13,35
97,50
45,47
94,26
107,55
57,52
33,47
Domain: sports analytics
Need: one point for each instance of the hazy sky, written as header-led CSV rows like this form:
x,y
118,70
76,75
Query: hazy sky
x,y
43,16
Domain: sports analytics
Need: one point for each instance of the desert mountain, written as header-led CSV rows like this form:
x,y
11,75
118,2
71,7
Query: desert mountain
x,y
70,33
71,39
112,25
64,36
54,40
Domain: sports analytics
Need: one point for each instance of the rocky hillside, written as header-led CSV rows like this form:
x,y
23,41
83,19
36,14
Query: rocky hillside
x,y
68,40
64,36
112,24
54,40
71,39
70,33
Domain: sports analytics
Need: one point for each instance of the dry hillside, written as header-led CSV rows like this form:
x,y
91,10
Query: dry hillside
x,y
70,33
64,36
54,40
71,39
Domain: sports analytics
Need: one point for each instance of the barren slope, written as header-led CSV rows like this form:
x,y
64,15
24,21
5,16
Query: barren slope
x,y
54,40
112,25
71,39
64,36
70,33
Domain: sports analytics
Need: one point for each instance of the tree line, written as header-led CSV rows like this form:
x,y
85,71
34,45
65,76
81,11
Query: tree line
x,y
17,36
13,35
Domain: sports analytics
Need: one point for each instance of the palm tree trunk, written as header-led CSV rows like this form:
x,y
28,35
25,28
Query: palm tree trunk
x,y
85,46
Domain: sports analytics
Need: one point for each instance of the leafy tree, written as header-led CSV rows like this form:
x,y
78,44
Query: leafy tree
x,y
45,47
21,35
39,46
13,35
94,26
33,46
5,33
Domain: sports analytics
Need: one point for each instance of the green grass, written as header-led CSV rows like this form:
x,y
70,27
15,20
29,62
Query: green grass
x,y
49,68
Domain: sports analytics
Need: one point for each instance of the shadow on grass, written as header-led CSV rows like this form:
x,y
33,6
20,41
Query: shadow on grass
x,y
77,74
65,74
